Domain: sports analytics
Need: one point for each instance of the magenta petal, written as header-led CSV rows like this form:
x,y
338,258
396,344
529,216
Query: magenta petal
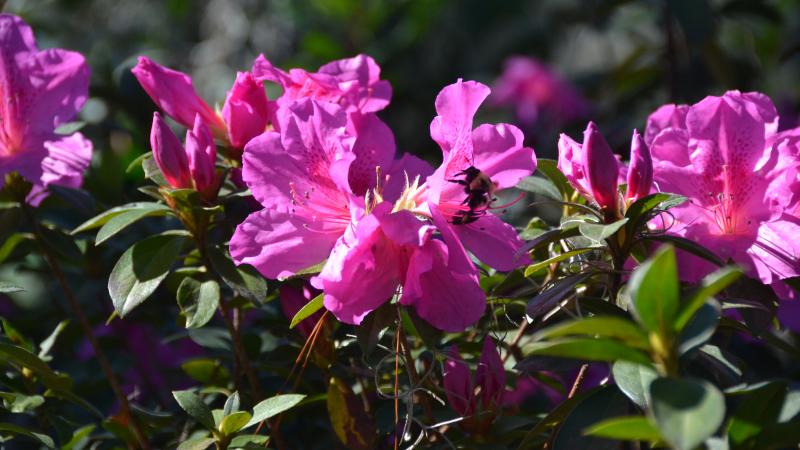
x,y
279,244
447,299
246,110
494,242
174,93
456,106
169,154
408,167
776,251
67,159
359,80
458,383
202,153
60,79
16,36
667,116
640,172
374,147
570,157
491,375
500,153
601,167
362,272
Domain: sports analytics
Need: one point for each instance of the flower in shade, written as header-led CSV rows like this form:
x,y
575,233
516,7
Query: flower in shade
x,y
189,167
725,155
245,113
478,399
476,164
536,92
354,83
41,90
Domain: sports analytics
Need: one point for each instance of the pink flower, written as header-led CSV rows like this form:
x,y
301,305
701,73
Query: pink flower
x,y
591,168
640,170
41,90
300,176
192,167
244,115
477,163
536,93
490,377
728,159
354,83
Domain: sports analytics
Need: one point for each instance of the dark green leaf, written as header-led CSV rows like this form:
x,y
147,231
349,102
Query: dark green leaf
x,y
195,407
640,210
60,242
198,301
549,298
710,286
687,412
536,267
18,430
244,279
371,328
125,219
308,309
273,406
700,328
141,269
549,168
540,186
79,437
758,410
600,326
102,218
553,418
631,428
207,371
243,440
599,405
598,232
634,380
586,349
688,246
655,291
199,443
24,358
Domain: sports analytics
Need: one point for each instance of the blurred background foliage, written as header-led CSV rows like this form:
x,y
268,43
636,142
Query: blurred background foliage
x,y
625,57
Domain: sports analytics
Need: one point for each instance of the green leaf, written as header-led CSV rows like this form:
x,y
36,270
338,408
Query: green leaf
x,y
20,403
631,428
549,298
61,243
18,430
686,245
710,286
21,357
248,441
273,406
533,268
231,404
687,412
207,371
8,288
308,309
195,407
137,162
549,168
198,301
600,326
152,172
640,210
103,218
553,418
79,437
755,413
634,380
598,232
12,242
586,349
141,269
199,443
369,332
700,328
600,404
655,291
234,422
125,219
47,344
540,186
244,279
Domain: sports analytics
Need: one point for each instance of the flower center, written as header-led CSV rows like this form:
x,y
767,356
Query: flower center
x,y
324,208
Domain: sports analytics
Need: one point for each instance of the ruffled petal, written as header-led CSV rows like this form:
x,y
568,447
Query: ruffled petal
x,y
456,106
494,242
500,153
67,159
667,116
374,147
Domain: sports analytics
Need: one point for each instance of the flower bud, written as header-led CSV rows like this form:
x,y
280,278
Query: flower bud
x,y
640,171
246,110
202,153
169,154
601,168
174,93
458,383
491,376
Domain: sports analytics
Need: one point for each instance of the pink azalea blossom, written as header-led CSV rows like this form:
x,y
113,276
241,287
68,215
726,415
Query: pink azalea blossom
x,y
192,167
354,83
727,158
496,152
41,90
460,387
536,93
300,176
640,170
591,167
245,113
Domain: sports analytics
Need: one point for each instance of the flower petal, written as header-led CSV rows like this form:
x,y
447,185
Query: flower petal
x,y
494,242
374,147
67,159
500,153
458,383
491,375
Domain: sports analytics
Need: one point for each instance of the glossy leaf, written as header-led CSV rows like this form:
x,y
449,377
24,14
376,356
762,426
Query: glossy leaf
x,y
710,286
536,267
198,301
655,291
125,219
631,428
273,406
634,380
687,412
307,310
103,218
540,186
195,407
598,232
234,422
243,279
586,349
600,326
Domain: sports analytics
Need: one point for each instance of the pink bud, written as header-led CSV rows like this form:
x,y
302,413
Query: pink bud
x,y
640,172
169,154
174,93
458,383
601,168
491,376
202,154
246,110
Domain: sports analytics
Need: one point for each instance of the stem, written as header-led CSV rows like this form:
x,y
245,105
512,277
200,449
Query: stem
x,y
108,372
413,375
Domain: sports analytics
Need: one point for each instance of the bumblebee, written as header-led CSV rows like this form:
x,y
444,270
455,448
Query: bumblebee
x,y
479,189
